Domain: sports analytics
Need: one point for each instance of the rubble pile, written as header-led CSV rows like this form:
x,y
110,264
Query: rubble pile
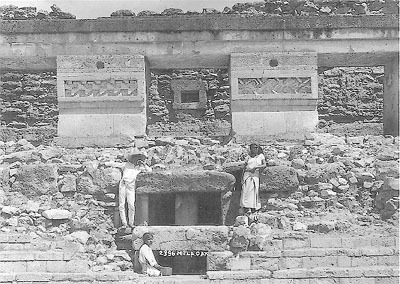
x,y
285,8
267,7
70,193
11,12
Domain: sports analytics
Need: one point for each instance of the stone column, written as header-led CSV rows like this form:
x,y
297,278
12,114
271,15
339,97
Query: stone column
x,y
273,94
102,99
391,98
142,209
186,209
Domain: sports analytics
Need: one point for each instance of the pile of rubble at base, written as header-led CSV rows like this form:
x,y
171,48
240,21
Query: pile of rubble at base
x,y
332,184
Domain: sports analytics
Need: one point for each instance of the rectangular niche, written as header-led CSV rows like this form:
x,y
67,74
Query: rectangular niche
x,y
189,94
190,209
190,97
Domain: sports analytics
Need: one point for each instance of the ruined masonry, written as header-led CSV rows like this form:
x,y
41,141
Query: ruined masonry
x,y
255,77
105,66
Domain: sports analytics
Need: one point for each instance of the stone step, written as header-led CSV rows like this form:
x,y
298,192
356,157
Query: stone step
x,y
371,275
338,272
57,263
127,277
303,258
42,246
238,275
8,256
343,242
15,238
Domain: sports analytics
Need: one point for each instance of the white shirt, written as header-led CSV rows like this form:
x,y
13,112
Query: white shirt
x,y
130,174
148,261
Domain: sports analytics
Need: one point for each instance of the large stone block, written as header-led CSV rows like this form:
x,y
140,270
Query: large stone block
x,y
101,95
36,179
279,178
4,177
184,181
217,261
107,179
203,238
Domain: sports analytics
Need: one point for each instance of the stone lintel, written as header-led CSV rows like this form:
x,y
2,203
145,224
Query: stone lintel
x,y
203,238
184,181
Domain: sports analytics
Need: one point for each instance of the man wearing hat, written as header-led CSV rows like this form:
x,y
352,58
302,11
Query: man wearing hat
x,y
135,164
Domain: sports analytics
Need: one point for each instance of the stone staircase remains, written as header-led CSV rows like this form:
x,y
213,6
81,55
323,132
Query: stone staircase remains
x,y
366,260
369,260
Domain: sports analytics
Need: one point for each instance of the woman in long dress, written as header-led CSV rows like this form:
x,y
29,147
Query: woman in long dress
x,y
250,198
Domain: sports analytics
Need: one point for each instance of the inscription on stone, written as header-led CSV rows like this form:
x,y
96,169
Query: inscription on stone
x,y
290,85
170,253
100,88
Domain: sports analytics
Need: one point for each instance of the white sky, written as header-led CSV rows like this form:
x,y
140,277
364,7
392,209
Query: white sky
x,y
87,9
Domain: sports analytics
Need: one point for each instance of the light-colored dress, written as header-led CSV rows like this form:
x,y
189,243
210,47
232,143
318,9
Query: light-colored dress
x,y
148,261
250,197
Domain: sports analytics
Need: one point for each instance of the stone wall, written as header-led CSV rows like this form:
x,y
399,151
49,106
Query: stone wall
x,y
28,99
168,114
351,94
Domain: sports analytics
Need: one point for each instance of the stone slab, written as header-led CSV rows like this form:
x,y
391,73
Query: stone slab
x,y
184,238
184,181
238,275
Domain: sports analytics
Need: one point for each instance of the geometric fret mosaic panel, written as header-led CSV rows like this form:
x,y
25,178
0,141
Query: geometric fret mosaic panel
x,y
289,85
101,88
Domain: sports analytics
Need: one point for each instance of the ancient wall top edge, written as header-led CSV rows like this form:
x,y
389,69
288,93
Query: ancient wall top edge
x,y
180,23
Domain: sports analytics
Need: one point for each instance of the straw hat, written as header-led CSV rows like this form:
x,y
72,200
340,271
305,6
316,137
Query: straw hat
x,y
136,154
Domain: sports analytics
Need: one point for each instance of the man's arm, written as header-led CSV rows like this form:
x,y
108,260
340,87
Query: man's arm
x,y
145,168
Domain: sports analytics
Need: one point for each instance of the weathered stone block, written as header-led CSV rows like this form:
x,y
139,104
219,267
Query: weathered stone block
x,y
326,242
270,264
13,266
386,169
16,256
36,179
218,260
239,263
238,275
68,184
291,263
295,243
194,181
384,280
279,178
207,238
324,261
107,179
33,277
57,214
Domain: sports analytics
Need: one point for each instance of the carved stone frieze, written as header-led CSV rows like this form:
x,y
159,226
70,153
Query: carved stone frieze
x,y
290,85
101,88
